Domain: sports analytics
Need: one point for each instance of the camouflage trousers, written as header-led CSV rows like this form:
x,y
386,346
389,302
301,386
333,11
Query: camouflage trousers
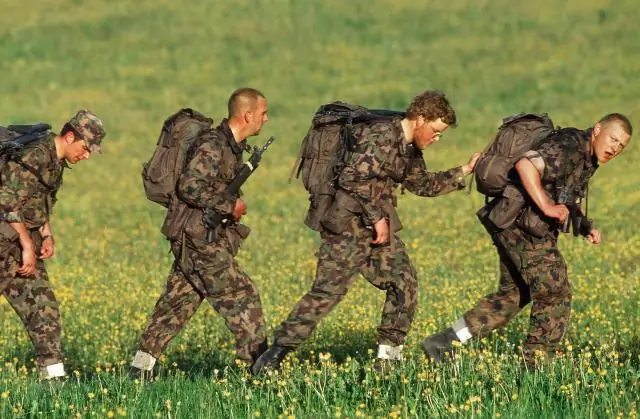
x,y
33,300
207,272
340,258
531,270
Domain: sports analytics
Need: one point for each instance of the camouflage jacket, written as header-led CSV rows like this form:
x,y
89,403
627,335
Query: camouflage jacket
x,y
29,184
565,161
212,163
383,159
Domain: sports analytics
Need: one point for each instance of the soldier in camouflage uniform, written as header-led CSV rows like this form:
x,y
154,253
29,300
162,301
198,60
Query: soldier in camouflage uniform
x,y
360,229
205,270
29,184
531,266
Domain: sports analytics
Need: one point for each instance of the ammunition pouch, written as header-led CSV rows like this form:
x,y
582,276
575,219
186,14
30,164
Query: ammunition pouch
x,y
318,206
533,222
339,216
182,218
507,207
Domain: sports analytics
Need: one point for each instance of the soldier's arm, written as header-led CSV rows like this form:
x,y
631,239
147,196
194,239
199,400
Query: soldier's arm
x,y
555,161
531,180
19,184
424,183
200,184
551,163
25,238
362,168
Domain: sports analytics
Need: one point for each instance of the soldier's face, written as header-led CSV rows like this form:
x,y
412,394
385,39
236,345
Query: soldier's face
x,y
259,116
428,132
608,141
76,150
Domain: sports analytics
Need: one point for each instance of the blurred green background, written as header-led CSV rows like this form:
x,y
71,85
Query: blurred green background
x,y
136,62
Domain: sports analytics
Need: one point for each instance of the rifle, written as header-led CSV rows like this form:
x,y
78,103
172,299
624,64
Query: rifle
x,y
213,219
580,223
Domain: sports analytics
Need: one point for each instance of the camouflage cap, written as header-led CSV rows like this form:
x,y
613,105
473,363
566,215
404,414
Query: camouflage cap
x,y
90,127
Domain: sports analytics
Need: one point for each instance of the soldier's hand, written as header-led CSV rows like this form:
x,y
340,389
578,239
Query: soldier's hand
x,y
28,267
594,236
239,210
471,164
557,212
47,249
382,231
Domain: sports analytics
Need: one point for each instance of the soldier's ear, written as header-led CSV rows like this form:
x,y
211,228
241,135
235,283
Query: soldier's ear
x,y
69,137
597,128
249,116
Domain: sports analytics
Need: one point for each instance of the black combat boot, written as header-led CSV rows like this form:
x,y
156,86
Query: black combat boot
x,y
262,348
140,374
439,344
270,359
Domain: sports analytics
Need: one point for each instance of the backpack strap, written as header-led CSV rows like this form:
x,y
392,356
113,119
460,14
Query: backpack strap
x,y
296,165
33,171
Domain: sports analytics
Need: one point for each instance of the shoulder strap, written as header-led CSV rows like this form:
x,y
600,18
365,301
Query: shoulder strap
x,y
33,171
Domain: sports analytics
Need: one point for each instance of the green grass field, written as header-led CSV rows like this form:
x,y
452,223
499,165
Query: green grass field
x,y
136,62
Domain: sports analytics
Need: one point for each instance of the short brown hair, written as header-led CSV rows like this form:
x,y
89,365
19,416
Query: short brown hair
x,y
69,128
432,105
618,118
241,96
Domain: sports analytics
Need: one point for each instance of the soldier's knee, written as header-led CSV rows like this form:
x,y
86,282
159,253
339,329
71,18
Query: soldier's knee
x,y
559,286
408,287
326,293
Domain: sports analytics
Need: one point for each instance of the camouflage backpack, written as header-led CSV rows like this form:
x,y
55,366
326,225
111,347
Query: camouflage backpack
x,y
160,174
517,135
323,151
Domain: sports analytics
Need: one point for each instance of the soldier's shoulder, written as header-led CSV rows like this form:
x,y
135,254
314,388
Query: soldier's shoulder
x,y
571,139
384,124
213,136
39,152
563,138
209,138
385,128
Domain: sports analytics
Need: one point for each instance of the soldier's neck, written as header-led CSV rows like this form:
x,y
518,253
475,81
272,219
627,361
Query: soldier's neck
x,y
238,131
407,128
60,146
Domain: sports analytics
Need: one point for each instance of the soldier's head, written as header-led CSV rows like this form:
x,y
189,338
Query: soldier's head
x,y
429,115
248,111
81,136
611,134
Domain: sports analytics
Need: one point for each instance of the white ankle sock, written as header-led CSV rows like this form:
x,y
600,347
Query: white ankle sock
x,y
143,361
393,353
52,371
462,330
